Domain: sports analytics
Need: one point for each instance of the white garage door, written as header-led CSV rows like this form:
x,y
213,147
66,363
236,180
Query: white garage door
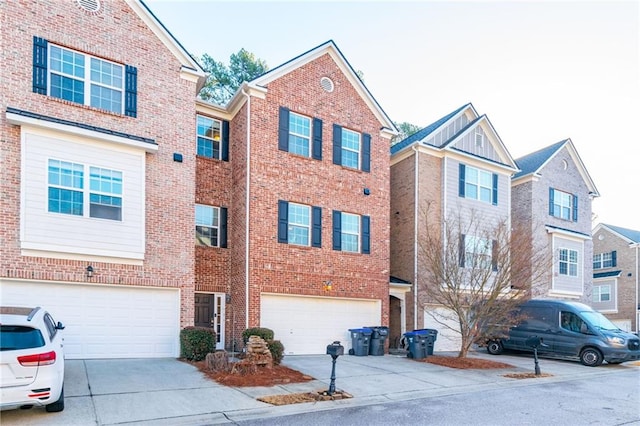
x,y
106,321
306,325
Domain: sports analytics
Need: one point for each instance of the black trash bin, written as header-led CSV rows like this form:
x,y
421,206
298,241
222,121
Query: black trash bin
x,y
360,340
378,338
432,336
417,344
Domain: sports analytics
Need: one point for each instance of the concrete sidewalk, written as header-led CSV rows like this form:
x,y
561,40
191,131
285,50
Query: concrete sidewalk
x,y
170,392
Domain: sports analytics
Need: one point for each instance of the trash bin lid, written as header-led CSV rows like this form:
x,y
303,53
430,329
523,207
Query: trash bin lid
x,y
361,330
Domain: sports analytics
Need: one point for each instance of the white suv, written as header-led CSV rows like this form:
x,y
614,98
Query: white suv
x,y
31,359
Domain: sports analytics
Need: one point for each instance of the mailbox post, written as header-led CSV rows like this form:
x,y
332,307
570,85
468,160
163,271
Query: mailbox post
x,y
535,342
335,350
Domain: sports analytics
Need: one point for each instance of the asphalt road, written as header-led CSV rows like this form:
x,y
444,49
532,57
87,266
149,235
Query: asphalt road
x,y
606,400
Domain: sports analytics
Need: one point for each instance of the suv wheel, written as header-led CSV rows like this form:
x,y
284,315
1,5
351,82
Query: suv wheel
x,y
58,405
494,347
590,357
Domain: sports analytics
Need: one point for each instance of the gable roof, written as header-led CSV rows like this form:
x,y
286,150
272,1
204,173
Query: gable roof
x,y
190,67
629,235
258,84
532,164
421,136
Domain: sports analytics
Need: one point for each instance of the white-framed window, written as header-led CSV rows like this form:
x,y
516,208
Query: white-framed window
x,y
603,260
209,131
207,225
299,134
299,226
568,262
478,184
350,232
477,252
601,293
67,192
563,205
479,137
351,146
85,79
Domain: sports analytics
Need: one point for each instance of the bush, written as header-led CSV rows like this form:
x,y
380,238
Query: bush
x,y
265,333
196,343
277,350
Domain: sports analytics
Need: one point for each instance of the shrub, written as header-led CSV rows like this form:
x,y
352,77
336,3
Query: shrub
x,y
196,343
277,350
265,333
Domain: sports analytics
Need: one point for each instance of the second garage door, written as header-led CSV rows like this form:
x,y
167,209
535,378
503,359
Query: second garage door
x,y
106,321
306,325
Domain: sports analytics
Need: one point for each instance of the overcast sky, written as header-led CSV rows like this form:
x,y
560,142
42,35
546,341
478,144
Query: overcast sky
x,y
542,71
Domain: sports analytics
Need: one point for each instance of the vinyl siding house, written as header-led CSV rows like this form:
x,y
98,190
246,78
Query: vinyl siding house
x,y
616,258
95,207
552,195
455,168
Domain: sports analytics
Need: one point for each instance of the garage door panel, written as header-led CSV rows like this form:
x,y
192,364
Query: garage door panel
x,y
306,325
106,321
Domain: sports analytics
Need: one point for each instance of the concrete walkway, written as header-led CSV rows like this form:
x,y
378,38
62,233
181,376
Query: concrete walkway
x,y
170,392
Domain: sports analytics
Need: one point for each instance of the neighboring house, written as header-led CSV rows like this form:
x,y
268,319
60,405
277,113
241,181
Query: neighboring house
x,y
552,196
455,168
293,205
616,258
98,174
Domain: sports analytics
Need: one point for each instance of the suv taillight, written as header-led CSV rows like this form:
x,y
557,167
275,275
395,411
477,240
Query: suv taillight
x,y
46,358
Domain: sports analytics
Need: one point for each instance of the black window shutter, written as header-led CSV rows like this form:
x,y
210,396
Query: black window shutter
x,y
316,148
316,226
461,180
494,255
131,91
223,227
614,259
366,235
337,230
224,149
283,129
461,248
366,152
283,221
337,144
551,201
494,198
40,46
575,208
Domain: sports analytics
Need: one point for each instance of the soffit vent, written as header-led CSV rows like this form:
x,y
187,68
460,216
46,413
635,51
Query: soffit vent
x,y
92,6
326,84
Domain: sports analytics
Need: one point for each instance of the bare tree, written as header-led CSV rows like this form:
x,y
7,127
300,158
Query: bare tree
x,y
475,271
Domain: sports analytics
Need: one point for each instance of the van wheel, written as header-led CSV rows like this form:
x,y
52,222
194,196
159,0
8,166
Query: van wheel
x,y
58,405
494,347
590,357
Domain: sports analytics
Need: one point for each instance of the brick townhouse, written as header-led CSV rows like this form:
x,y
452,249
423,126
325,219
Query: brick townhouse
x,y
111,164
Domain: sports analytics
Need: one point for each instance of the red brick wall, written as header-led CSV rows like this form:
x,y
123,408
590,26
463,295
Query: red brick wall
x,y
278,175
166,111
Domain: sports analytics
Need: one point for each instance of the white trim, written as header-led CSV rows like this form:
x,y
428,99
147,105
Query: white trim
x,y
32,124
82,256
568,234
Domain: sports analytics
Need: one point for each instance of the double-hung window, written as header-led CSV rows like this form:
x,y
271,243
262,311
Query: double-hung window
x,y
563,205
84,79
299,224
208,137
211,226
604,260
477,253
601,293
67,192
568,262
351,232
299,134
351,149
478,184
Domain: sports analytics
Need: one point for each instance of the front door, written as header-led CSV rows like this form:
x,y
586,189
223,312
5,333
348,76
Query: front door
x,y
209,312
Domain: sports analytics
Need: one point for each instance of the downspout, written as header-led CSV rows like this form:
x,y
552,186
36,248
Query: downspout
x,y
415,238
637,301
247,198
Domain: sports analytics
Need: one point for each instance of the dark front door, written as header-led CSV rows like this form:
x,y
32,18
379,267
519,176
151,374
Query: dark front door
x,y
395,322
209,312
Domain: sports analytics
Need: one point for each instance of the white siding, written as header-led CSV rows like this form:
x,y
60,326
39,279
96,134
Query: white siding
x,y
53,232
468,144
565,284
